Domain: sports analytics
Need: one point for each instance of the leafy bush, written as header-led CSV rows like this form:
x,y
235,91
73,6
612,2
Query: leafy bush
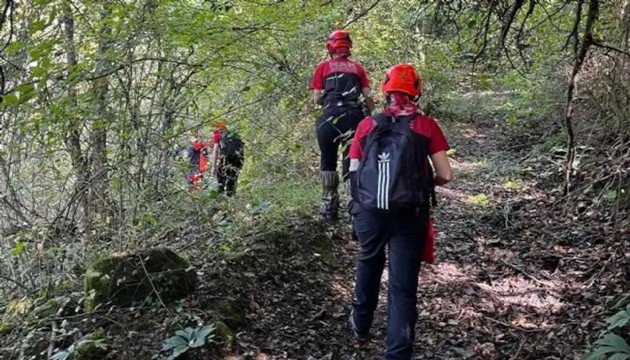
x,y
187,339
612,346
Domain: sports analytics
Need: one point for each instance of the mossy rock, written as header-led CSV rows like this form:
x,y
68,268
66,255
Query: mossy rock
x,y
18,308
223,333
227,312
93,349
16,311
6,327
47,309
123,280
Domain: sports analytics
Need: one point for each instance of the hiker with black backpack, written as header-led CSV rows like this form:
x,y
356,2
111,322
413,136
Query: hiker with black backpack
x,y
392,186
228,155
342,88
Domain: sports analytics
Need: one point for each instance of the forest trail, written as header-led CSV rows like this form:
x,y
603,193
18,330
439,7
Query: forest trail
x,y
514,276
97,99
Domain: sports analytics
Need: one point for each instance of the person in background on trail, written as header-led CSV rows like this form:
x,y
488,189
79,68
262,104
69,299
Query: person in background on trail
x,y
228,154
392,186
198,157
339,85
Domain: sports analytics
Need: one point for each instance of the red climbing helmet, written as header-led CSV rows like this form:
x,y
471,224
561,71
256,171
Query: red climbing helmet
x,y
402,78
337,39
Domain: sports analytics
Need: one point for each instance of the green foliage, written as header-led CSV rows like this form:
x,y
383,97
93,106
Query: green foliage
x,y
480,200
187,339
91,347
612,346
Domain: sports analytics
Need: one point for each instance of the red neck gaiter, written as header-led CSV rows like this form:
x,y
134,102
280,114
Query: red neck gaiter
x,y
401,105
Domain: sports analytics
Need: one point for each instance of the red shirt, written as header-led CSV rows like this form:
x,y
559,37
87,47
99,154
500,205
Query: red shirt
x,y
337,65
424,125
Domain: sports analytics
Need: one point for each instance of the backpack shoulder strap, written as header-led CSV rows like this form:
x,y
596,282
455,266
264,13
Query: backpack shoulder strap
x,y
420,116
381,119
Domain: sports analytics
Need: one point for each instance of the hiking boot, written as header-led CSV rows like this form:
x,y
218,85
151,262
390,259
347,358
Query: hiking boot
x,y
355,333
330,197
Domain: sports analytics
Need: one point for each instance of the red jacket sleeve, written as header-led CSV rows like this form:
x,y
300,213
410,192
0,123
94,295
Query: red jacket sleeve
x,y
364,128
365,82
317,83
437,140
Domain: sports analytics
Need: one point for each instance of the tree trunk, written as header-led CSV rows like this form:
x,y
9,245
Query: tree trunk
x,y
580,56
73,139
98,138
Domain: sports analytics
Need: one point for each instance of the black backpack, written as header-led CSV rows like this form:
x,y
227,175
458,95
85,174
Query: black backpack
x,y
394,173
231,145
342,89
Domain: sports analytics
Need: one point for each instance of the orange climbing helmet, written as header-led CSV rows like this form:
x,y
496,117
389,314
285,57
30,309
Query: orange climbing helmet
x,y
337,39
220,126
402,78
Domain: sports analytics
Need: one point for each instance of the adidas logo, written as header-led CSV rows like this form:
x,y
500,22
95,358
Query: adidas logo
x,y
383,157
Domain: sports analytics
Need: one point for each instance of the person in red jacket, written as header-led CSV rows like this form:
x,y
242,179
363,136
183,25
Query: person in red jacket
x,y
392,189
198,157
340,86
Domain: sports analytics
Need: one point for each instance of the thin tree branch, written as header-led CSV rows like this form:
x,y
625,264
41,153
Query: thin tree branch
x,y
361,14
574,35
610,48
515,8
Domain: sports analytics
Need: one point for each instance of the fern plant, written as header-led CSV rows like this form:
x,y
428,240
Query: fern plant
x,y
187,339
612,346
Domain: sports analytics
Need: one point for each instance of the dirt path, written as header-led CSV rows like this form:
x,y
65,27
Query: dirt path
x,y
516,278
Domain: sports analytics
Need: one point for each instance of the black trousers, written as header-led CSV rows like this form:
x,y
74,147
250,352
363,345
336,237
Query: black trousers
x,y
336,127
227,174
402,236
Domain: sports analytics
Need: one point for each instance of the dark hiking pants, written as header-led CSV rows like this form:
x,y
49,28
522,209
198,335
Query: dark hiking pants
x,y
227,175
403,237
335,128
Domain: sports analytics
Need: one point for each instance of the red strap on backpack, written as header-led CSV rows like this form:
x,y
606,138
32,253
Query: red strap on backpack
x,y
428,253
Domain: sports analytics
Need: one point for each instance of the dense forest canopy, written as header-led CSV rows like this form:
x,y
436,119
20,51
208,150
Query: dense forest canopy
x,y
97,98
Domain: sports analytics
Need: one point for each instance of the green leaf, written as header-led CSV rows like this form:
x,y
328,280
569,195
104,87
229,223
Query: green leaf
x,y
619,356
9,99
174,342
184,334
18,248
614,341
178,351
62,355
151,219
38,25
25,88
99,124
36,54
618,320
597,354
55,110
206,330
198,341
38,71
14,48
